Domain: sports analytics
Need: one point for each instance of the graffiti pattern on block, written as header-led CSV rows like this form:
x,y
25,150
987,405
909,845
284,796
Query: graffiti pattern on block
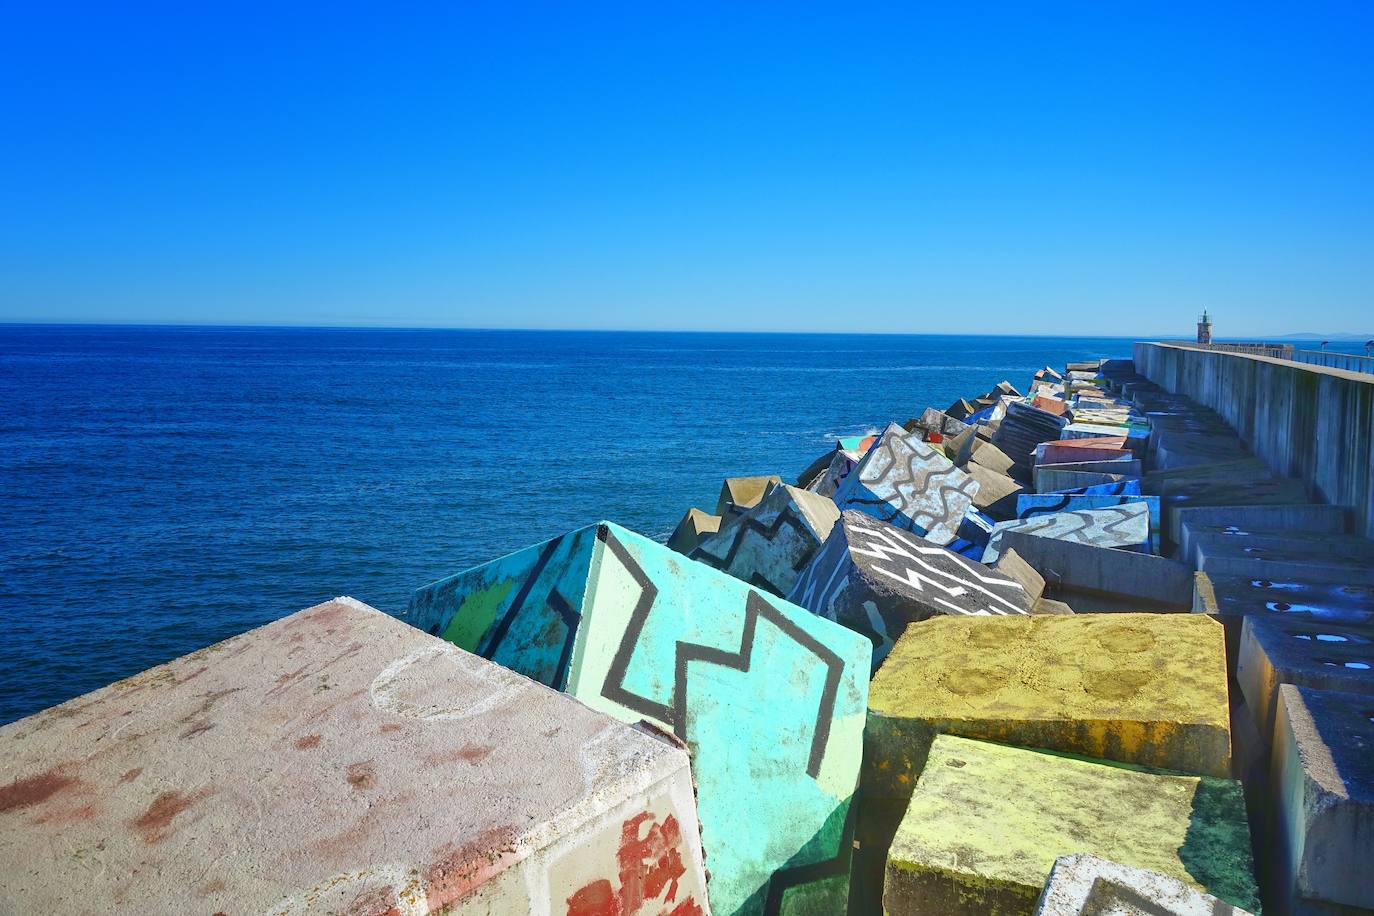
x,y
771,700
876,578
650,867
908,483
771,542
521,611
1119,488
1030,505
1116,526
829,480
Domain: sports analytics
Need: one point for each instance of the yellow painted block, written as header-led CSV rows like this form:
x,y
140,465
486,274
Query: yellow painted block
x,y
1138,688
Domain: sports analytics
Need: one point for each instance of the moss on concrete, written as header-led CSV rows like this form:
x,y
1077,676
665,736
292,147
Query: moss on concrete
x,y
1136,688
986,823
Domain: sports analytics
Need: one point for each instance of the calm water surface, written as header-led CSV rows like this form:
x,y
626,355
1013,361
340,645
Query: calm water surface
x,y
164,488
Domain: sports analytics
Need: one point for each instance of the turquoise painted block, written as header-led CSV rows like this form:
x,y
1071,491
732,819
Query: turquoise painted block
x,y
770,699
1032,504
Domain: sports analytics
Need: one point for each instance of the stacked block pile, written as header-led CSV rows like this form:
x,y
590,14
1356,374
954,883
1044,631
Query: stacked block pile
x,y
949,669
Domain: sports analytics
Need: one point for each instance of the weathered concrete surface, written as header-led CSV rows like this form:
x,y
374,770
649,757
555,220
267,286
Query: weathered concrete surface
x,y
737,494
1305,421
1045,605
1150,583
876,579
1324,771
1011,565
340,761
1139,688
772,542
1237,596
695,526
829,479
1075,450
1310,558
1323,656
991,457
906,482
997,493
769,697
1087,885
1056,481
987,823
1046,476
1025,427
1313,518
1125,525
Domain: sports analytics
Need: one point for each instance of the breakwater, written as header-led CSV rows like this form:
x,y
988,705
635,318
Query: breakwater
x,y
953,667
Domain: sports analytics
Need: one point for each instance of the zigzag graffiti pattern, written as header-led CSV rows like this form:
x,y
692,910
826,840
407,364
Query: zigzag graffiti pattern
x,y
1114,526
675,713
737,533
920,491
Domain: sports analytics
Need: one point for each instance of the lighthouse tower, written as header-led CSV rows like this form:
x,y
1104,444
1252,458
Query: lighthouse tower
x,y
1204,329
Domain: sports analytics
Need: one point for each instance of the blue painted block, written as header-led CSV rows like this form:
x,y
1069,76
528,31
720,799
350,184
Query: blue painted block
x,y
1032,504
1120,488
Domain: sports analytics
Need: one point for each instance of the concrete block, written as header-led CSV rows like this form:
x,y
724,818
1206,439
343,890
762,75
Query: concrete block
x,y
905,482
1119,488
1056,481
769,544
1055,406
1323,766
936,421
992,458
858,444
1029,505
1275,651
960,448
1087,885
1091,443
1314,558
1142,581
1050,606
1307,602
997,493
1315,518
1046,453
1046,474
1093,430
740,493
338,760
876,579
1137,688
987,823
1239,492
828,481
960,409
769,697
1115,526
1010,564
695,526
1025,427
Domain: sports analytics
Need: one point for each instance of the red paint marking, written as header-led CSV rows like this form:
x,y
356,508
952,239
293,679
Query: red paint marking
x,y
35,790
389,728
131,775
306,743
362,775
595,899
458,871
649,865
156,823
468,753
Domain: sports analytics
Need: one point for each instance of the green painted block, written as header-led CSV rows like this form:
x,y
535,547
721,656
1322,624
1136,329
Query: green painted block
x,y
986,823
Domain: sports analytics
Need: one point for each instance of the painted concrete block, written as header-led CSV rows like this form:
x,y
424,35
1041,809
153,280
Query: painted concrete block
x,y
1087,885
1045,474
1029,505
740,493
1146,689
1276,545
1025,427
858,444
876,579
1055,481
1045,453
695,526
834,473
1141,581
906,482
1305,517
1133,435
987,823
1114,526
1091,442
1118,488
1311,558
1308,602
960,409
769,697
935,421
1323,767
771,543
1276,651
1055,406
338,760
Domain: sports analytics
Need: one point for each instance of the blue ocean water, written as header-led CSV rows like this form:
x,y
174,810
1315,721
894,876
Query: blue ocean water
x,y
164,488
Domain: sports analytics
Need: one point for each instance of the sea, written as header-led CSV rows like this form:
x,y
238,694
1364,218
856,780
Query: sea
x,y
163,488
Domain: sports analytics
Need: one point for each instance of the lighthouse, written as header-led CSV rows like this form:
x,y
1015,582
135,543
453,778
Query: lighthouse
x,y
1204,329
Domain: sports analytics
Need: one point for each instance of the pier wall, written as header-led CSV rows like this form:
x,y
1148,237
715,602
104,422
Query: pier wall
x,y
1308,422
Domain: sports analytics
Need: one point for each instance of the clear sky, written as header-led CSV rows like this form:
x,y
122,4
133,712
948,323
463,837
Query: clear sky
x,y
1098,167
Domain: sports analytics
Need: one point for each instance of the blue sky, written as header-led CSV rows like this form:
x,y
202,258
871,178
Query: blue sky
x,y
1045,168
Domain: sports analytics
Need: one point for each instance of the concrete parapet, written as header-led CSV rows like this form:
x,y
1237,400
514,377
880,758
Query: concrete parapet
x,y
1148,582
1323,769
1138,688
1086,885
876,579
695,526
769,698
1126,525
1305,421
338,760
906,482
1323,656
773,541
987,823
